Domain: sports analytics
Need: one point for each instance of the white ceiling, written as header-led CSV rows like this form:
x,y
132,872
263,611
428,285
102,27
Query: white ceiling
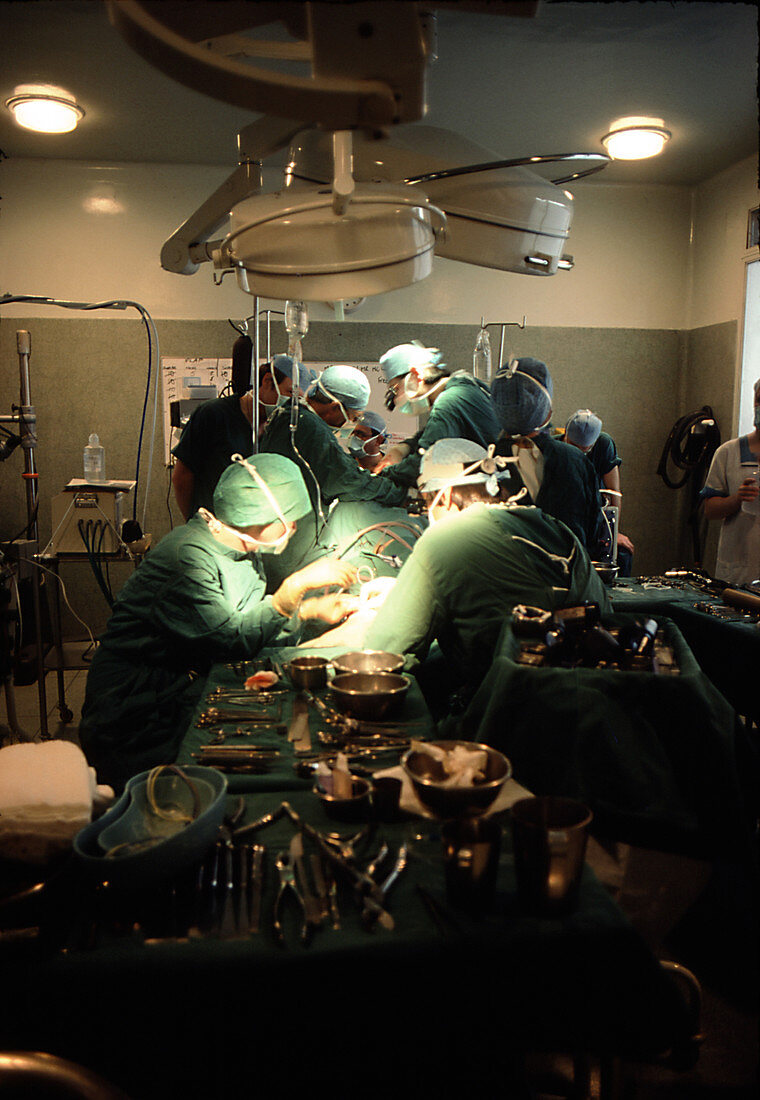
x,y
551,84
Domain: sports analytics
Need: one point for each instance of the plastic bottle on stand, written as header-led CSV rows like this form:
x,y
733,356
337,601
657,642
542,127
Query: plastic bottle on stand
x,y
481,356
94,460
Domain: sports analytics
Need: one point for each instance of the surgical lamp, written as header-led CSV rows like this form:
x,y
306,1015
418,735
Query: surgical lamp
x,y
357,214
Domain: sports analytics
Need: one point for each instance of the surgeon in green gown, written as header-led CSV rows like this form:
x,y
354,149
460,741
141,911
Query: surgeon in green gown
x,y
483,554
457,406
197,598
333,403
558,478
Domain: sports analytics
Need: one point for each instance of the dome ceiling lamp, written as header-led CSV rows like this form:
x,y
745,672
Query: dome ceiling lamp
x,y
636,138
44,108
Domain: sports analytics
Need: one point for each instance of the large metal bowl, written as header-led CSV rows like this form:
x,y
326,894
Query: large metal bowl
x,y
607,572
369,695
427,776
368,660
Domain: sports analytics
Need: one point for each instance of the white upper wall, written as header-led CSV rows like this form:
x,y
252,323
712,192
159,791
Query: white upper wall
x,y
630,245
719,246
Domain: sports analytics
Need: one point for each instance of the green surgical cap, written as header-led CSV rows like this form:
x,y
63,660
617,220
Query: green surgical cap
x,y
241,501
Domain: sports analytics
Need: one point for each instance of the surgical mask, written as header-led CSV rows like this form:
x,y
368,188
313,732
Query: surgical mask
x,y
276,546
417,403
268,409
358,446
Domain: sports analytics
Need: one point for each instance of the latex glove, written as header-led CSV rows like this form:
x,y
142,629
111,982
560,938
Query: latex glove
x,y
391,457
332,608
323,573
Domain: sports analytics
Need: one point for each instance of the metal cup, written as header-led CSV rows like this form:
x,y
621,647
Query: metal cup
x,y
549,836
308,672
386,793
471,861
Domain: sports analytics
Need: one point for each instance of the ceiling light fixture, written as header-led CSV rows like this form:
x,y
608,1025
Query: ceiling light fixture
x,y
44,108
636,138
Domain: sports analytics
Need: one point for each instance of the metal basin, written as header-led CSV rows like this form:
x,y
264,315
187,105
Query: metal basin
x,y
369,660
607,572
369,695
427,776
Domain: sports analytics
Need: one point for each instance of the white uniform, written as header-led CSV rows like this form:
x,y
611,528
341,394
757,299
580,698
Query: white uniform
x,y
739,542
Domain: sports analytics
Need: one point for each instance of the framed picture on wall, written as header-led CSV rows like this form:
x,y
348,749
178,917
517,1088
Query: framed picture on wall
x,y
753,228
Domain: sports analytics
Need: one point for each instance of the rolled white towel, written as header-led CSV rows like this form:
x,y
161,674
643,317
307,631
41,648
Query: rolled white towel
x,y
47,791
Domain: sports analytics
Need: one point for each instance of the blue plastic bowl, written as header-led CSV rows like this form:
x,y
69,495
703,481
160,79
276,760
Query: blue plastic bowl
x,y
132,847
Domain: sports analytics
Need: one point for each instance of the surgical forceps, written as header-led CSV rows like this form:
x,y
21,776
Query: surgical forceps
x,y
285,865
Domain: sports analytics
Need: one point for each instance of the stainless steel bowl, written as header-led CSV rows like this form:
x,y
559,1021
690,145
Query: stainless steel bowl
x,y
369,695
355,808
368,660
427,776
308,672
608,573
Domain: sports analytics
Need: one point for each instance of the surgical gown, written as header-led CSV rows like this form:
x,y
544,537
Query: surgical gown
x,y
464,410
215,431
568,489
330,475
190,602
467,573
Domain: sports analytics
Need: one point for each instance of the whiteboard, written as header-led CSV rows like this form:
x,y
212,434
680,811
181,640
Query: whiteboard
x,y
178,376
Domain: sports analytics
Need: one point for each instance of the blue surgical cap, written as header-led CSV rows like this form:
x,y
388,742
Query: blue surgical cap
x,y
373,420
522,394
285,365
240,501
400,360
583,428
342,383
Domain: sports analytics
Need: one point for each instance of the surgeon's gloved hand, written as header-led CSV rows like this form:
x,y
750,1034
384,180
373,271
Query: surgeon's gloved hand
x,y
323,573
332,608
391,457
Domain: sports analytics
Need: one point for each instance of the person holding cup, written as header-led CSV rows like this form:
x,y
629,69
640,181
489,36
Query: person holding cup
x,y
731,495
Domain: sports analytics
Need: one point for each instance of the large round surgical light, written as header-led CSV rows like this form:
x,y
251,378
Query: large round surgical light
x,y
636,138
44,108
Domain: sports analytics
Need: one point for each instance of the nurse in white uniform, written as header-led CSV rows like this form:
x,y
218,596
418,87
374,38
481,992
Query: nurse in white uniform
x,y
731,495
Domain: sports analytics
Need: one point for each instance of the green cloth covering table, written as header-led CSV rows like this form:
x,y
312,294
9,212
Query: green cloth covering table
x,y
654,756
412,715
408,1012
727,652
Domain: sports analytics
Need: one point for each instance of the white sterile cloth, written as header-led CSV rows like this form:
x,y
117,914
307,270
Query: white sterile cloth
x,y
47,794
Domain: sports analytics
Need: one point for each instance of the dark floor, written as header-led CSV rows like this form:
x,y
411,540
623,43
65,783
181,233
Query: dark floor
x,y
688,912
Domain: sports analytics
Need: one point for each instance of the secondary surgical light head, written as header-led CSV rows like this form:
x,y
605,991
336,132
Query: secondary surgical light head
x,y
522,394
582,429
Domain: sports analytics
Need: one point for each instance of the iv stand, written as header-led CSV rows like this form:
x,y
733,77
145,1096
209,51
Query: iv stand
x,y
26,419
504,325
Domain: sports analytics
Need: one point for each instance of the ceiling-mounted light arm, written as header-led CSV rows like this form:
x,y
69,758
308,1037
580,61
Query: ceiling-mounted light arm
x,y
189,246
517,162
338,102
343,167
